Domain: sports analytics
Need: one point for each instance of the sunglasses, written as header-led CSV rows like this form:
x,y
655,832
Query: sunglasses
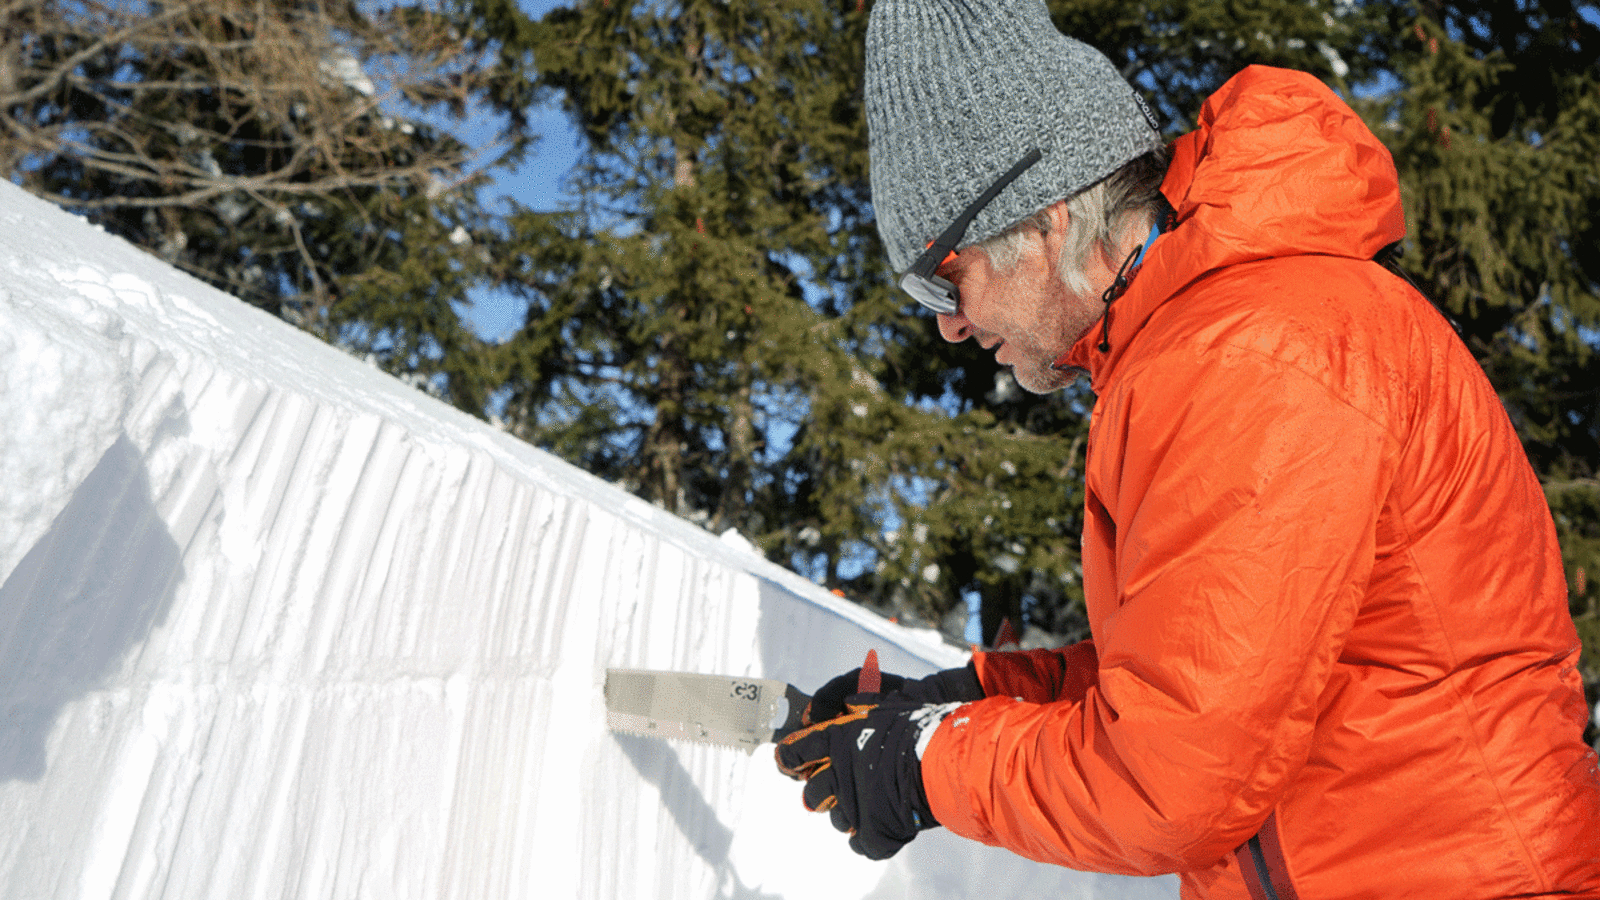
x,y
930,290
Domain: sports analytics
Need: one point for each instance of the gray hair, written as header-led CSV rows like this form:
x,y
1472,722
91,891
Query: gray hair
x,y
1095,217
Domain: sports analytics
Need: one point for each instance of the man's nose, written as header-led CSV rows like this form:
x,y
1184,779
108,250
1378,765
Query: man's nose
x,y
954,327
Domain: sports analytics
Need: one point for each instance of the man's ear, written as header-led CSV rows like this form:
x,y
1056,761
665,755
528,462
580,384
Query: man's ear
x,y
1055,237
1059,216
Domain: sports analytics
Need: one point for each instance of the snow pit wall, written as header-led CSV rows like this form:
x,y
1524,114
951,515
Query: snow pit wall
x,y
275,625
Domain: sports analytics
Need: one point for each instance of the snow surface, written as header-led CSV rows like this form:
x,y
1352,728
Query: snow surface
x,y
274,625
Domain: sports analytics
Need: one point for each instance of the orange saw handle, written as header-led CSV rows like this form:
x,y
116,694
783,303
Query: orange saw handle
x,y
871,679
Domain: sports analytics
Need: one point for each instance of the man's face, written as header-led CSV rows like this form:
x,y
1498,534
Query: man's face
x,y
1026,316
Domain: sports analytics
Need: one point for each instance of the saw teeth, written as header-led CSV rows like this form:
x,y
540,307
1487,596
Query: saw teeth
x,y
643,726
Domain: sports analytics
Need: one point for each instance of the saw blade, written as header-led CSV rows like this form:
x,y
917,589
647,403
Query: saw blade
x,y
728,710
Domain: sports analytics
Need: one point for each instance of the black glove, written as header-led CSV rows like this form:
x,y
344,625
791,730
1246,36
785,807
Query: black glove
x,y
862,768
949,686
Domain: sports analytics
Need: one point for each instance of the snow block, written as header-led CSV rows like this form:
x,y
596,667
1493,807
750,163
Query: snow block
x,y
273,624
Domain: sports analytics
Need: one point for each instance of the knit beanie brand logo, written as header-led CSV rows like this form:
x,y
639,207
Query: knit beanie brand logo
x,y
958,90
1149,114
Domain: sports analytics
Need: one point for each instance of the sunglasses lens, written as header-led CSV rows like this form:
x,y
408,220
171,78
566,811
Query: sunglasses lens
x,y
932,292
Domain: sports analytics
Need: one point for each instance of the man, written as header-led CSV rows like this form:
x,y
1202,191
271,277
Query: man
x,y
1331,654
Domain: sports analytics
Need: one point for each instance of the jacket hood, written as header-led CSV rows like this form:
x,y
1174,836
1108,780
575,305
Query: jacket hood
x,y
1278,166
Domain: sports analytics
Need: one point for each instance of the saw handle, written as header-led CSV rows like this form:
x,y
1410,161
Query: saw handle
x,y
795,718
870,681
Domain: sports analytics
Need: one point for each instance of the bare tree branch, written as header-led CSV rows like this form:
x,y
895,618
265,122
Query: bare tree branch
x,y
159,120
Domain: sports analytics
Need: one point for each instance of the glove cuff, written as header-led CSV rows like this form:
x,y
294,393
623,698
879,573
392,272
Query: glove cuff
x,y
927,720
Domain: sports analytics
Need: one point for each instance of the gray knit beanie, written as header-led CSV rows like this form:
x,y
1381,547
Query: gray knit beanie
x,y
957,91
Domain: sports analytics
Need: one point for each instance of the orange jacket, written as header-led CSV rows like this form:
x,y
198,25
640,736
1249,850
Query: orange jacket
x,y
1327,602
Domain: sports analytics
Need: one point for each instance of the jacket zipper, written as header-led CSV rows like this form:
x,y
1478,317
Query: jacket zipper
x,y
1262,866
1263,877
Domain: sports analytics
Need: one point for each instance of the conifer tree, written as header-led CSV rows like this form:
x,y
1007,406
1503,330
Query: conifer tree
x,y
666,321
713,324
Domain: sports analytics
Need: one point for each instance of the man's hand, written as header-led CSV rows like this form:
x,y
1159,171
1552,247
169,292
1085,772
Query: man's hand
x,y
864,769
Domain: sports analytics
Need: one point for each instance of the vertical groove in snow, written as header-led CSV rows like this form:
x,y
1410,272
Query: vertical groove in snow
x,y
497,576
114,832
275,482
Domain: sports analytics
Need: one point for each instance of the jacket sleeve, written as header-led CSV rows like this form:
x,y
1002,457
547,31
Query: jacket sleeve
x,y
1038,676
1232,504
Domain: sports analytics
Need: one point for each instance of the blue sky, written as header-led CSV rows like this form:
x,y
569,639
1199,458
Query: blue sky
x,y
535,184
